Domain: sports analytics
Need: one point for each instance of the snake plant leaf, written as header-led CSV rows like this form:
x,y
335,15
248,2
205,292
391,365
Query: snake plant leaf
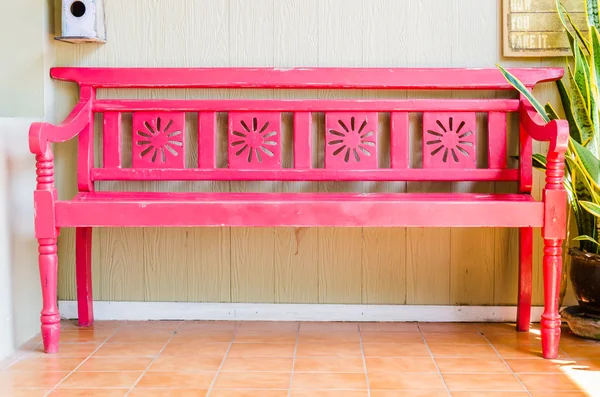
x,y
565,98
552,115
591,6
580,112
561,14
587,238
589,164
592,208
580,35
581,77
539,161
515,82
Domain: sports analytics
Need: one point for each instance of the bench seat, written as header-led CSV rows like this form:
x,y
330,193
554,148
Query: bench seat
x,y
105,209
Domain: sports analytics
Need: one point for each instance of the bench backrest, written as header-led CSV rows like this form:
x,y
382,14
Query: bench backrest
x,y
350,146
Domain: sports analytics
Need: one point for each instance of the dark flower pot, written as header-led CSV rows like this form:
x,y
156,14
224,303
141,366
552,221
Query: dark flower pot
x,y
585,277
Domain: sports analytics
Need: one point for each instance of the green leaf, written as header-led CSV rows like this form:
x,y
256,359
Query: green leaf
x,y
525,92
565,98
581,76
591,7
590,165
587,238
580,35
552,115
580,112
590,207
539,161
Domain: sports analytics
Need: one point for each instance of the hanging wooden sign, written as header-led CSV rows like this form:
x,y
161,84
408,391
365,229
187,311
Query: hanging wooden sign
x,y
532,28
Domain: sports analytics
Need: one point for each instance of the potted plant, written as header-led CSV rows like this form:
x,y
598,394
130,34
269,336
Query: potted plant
x,y
580,96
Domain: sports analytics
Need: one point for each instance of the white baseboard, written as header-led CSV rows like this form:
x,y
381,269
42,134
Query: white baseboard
x,y
294,312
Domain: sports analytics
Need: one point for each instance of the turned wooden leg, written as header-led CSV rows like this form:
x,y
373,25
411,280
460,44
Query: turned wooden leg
x,y
550,318
48,261
525,278
83,268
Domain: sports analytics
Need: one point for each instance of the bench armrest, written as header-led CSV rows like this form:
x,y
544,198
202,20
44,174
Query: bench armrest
x,y
40,133
556,131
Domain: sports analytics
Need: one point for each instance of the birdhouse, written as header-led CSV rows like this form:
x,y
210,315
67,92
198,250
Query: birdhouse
x,y
82,21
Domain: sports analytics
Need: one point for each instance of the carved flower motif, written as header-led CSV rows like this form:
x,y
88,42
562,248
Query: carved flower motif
x,y
157,141
449,142
253,139
352,141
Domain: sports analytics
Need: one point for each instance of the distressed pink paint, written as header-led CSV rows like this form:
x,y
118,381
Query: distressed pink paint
x,y
350,150
254,140
449,140
351,140
158,140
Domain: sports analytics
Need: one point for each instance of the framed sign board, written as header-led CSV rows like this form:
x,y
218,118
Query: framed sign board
x,y
532,28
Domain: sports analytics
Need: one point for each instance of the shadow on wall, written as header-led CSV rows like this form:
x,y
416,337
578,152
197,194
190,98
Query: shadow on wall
x,y
20,296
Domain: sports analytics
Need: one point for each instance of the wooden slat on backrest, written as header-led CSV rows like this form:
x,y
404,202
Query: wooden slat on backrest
x,y
351,121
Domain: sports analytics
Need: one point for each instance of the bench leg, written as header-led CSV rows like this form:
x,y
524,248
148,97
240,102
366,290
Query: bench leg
x,y
48,262
525,278
83,269
550,318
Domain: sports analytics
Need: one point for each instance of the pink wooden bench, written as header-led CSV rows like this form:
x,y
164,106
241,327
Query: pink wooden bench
x,y
352,152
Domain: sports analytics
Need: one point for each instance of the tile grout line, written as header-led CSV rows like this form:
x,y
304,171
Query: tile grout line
x,y
294,359
433,358
505,363
155,358
83,362
364,359
212,384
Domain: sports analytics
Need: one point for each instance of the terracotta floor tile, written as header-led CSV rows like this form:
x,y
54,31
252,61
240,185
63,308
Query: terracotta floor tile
x,y
482,382
139,392
550,382
79,336
248,393
490,394
304,381
523,351
24,393
515,338
390,337
328,337
328,327
179,380
406,381
101,379
489,328
448,327
193,363
253,380
409,393
390,327
146,326
262,350
209,325
396,350
196,349
88,392
69,350
30,380
590,364
329,349
129,350
564,394
140,337
400,364
524,365
462,350
330,393
472,365
115,364
46,364
269,325
463,337
582,351
261,364
329,364
206,336
266,337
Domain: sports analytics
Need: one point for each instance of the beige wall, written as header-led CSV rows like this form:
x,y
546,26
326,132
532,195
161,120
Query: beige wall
x,y
414,266
25,96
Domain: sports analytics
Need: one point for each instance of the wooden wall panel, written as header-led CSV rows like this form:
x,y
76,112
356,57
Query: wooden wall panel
x,y
413,266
